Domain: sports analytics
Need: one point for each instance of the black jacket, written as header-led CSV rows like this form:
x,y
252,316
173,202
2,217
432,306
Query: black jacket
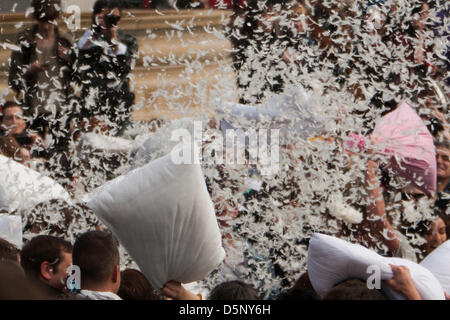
x,y
107,76
21,59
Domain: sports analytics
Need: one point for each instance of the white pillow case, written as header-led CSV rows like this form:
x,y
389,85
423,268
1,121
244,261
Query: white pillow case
x,y
331,260
438,262
163,216
11,229
23,188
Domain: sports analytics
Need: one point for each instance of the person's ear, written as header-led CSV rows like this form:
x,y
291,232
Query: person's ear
x,y
46,270
116,274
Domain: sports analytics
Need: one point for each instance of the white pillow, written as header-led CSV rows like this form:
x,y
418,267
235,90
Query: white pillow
x,y
23,188
331,260
11,229
438,262
163,216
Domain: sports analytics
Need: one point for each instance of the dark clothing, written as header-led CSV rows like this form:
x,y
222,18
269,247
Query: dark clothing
x,y
56,123
443,199
50,293
22,58
105,81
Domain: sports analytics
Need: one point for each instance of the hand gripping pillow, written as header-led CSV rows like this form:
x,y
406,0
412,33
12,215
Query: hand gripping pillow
x,y
331,260
438,262
23,188
162,214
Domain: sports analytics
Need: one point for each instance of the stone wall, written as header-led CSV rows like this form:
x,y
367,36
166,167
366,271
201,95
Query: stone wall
x,y
177,51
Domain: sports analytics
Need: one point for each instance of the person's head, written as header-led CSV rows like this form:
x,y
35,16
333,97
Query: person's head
x,y
46,258
8,251
443,159
233,290
435,235
298,294
106,14
46,11
353,289
96,253
15,286
135,286
12,120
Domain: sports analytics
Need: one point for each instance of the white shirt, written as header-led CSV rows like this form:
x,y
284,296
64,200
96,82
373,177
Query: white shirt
x,y
97,295
122,48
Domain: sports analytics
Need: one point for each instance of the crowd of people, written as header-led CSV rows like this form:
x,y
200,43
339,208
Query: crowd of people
x,y
65,89
39,271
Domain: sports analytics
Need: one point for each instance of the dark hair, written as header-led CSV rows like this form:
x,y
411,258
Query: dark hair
x,y
353,289
233,290
8,251
298,294
8,146
99,5
9,104
135,286
45,10
443,143
303,282
15,286
423,227
40,249
96,253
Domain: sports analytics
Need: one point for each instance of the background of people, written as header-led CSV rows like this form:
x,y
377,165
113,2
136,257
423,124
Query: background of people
x,y
67,88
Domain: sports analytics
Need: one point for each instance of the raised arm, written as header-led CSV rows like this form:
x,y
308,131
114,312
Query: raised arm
x,y
375,214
